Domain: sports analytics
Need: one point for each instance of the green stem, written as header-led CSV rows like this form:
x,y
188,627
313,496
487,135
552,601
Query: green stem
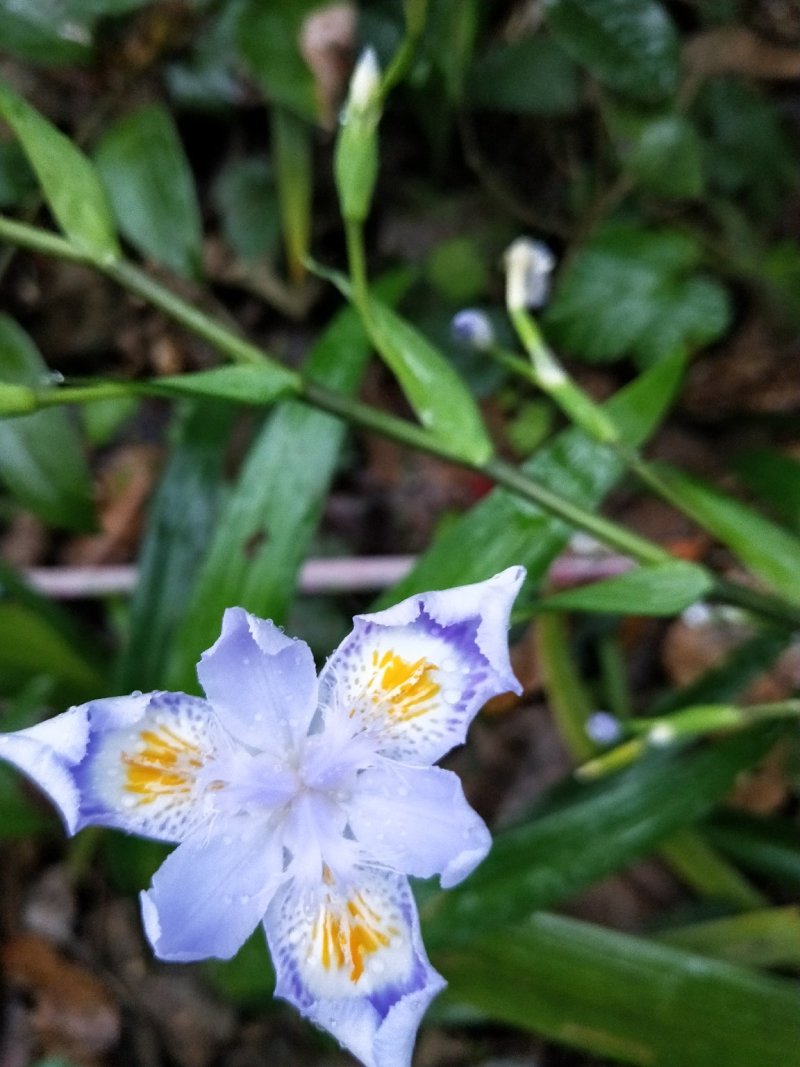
x,y
239,350
357,264
416,15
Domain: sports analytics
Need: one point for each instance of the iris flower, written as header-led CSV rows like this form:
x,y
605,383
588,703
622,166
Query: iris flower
x,y
300,803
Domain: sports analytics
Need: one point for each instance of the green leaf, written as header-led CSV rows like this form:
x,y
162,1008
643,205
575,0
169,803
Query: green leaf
x,y
662,589
69,182
503,530
34,35
243,384
449,37
244,194
41,458
432,387
622,997
596,829
144,168
630,45
766,846
30,645
16,177
269,36
292,147
769,937
776,479
533,76
741,128
667,158
181,515
635,292
569,700
267,524
771,553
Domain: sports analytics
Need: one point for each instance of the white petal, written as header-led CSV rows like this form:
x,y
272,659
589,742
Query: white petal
x,y
416,674
210,894
263,684
145,764
47,754
417,820
351,959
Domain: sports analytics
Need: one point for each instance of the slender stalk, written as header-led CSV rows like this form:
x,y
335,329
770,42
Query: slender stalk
x,y
353,411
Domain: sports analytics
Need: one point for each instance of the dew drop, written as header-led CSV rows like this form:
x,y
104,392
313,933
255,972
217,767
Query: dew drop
x,y
451,696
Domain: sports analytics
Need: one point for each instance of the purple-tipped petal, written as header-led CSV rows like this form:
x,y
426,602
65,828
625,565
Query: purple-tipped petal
x,y
417,820
145,768
210,894
416,674
263,685
351,959
47,754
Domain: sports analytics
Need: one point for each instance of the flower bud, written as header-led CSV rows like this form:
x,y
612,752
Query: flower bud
x,y
473,329
529,265
356,155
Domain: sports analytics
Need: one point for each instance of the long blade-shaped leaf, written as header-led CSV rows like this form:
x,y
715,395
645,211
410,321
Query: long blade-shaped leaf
x,y
625,998
181,514
663,589
767,549
598,829
68,180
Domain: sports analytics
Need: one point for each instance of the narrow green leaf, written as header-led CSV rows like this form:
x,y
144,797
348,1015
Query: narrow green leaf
x,y
766,846
502,530
567,697
30,645
437,394
630,45
269,39
30,32
776,479
245,196
294,176
69,182
699,866
181,514
662,589
41,458
594,830
267,524
769,937
144,168
625,998
772,553
261,384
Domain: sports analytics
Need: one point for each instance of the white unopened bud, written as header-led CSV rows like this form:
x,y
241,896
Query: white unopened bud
x,y
529,265
473,329
365,84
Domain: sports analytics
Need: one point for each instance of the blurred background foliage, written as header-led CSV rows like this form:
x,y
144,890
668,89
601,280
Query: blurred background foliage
x,y
639,905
